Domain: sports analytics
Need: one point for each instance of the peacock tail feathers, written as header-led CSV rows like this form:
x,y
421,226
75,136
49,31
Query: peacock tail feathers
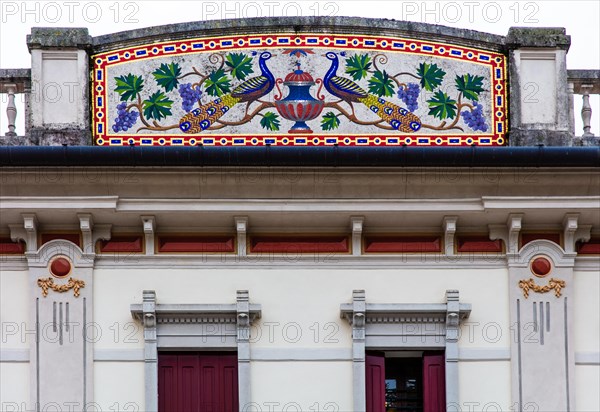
x,y
206,115
399,118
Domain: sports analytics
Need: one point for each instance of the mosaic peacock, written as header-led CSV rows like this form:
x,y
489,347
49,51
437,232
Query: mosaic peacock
x,y
252,89
347,90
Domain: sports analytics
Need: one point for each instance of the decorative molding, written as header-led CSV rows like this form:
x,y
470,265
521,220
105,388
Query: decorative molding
x,y
144,206
48,283
307,261
542,247
194,313
118,355
14,355
483,354
536,202
58,202
587,358
270,354
554,284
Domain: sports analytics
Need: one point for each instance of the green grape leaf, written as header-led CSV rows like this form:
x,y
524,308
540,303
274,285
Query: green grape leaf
x,y
381,84
218,83
431,76
129,86
442,106
470,86
166,76
358,66
240,64
270,121
330,121
157,106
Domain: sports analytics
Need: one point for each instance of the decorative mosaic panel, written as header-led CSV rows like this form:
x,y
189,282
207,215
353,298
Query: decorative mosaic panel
x,y
298,90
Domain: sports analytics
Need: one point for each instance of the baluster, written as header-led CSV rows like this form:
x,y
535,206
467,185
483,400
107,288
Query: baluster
x,y
11,109
571,92
586,111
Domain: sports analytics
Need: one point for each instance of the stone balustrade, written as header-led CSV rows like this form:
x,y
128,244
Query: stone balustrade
x,y
13,82
584,83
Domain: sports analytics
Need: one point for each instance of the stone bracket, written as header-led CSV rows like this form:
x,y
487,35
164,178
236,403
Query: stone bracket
x,y
241,227
149,223
26,232
357,222
508,233
449,232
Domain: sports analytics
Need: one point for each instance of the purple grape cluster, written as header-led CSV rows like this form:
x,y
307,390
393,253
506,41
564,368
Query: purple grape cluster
x,y
474,118
409,95
189,96
126,119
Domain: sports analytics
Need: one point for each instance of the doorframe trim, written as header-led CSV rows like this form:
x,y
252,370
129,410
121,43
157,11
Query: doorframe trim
x,y
396,326
195,327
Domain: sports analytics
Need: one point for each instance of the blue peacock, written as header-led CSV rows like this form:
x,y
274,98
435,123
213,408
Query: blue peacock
x,y
347,90
252,89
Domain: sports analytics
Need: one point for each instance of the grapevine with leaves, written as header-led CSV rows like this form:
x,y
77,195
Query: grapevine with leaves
x,y
428,81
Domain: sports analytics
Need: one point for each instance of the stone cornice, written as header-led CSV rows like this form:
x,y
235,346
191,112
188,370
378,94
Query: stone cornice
x,y
311,24
196,313
404,313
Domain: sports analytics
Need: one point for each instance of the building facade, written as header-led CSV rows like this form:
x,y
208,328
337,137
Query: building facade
x,y
296,214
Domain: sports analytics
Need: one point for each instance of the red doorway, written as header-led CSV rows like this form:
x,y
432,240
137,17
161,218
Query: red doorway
x,y
197,382
405,383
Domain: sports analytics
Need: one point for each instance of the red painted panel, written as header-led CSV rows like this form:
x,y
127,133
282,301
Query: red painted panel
x,y
375,381
478,244
530,237
197,382
167,383
403,244
71,237
299,244
188,381
589,248
195,244
122,244
434,378
8,247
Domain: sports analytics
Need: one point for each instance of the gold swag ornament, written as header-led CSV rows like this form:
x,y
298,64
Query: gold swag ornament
x,y
48,283
553,284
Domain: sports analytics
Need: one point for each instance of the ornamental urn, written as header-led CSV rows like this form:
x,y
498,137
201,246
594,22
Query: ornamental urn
x,y
299,106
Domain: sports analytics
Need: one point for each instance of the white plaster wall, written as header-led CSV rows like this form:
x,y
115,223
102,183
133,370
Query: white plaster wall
x,y
587,311
14,310
119,386
14,387
316,386
301,306
587,382
308,300
484,386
